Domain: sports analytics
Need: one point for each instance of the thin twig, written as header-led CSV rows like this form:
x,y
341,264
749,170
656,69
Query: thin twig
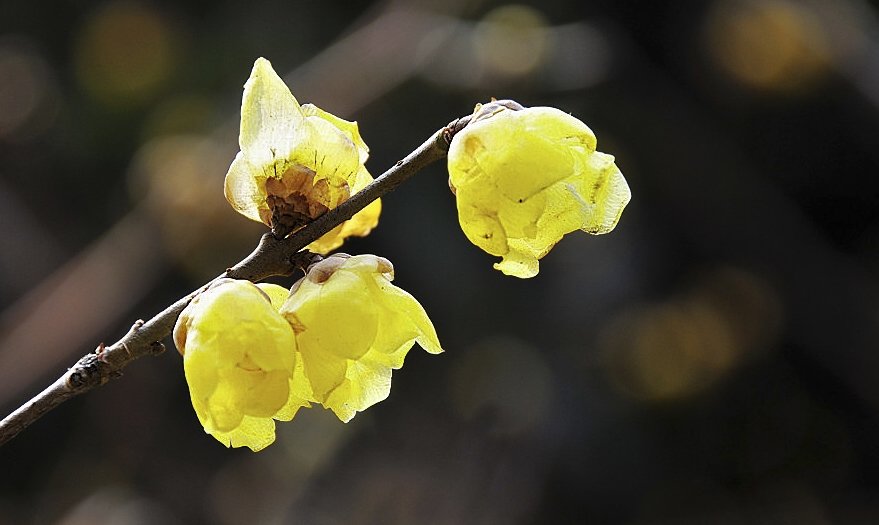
x,y
271,257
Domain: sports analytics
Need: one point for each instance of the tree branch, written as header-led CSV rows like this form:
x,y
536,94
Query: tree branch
x,y
272,257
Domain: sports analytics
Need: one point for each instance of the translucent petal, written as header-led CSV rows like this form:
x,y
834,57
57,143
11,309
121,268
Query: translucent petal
x,y
325,370
328,151
524,179
352,327
270,116
350,129
415,323
244,188
300,385
277,294
253,432
366,383
300,393
518,264
482,226
361,179
607,193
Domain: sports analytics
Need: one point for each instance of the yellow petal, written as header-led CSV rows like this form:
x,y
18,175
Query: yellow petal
x,y
270,116
238,357
518,263
325,371
524,179
482,226
328,151
242,189
350,129
349,337
404,321
277,294
352,327
224,408
301,393
607,194
253,432
202,376
366,383
266,392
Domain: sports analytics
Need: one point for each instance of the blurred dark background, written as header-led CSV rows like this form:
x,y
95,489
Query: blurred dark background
x,y
713,360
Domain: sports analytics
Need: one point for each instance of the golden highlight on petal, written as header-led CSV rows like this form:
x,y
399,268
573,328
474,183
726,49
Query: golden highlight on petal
x,y
296,162
353,327
239,361
524,178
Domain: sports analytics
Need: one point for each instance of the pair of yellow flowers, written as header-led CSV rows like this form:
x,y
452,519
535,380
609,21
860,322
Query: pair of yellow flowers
x,y
523,178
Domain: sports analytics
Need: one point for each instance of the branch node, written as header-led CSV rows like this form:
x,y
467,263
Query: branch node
x,y
302,260
75,381
280,230
100,352
453,127
157,347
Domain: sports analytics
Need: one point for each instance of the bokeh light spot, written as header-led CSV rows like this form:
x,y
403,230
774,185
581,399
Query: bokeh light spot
x,y
170,174
680,347
774,45
28,97
125,53
512,40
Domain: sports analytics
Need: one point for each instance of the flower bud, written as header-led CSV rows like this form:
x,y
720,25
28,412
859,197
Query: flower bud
x,y
524,178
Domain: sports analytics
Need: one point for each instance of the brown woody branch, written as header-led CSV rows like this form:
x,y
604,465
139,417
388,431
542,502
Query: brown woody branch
x,y
272,257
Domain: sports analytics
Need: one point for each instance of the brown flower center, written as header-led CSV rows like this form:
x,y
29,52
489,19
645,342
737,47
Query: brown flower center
x,y
295,199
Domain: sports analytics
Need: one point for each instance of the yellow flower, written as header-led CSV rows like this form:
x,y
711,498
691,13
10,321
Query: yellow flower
x,y
352,328
523,178
296,162
239,361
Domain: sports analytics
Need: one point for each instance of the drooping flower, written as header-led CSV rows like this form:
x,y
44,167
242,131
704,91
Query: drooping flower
x,y
525,177
239,361
352,328
296,162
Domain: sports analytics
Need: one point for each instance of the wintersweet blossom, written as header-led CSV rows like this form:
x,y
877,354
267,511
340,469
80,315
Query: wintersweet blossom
x,y
239,361
352,328
525,177
296,162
